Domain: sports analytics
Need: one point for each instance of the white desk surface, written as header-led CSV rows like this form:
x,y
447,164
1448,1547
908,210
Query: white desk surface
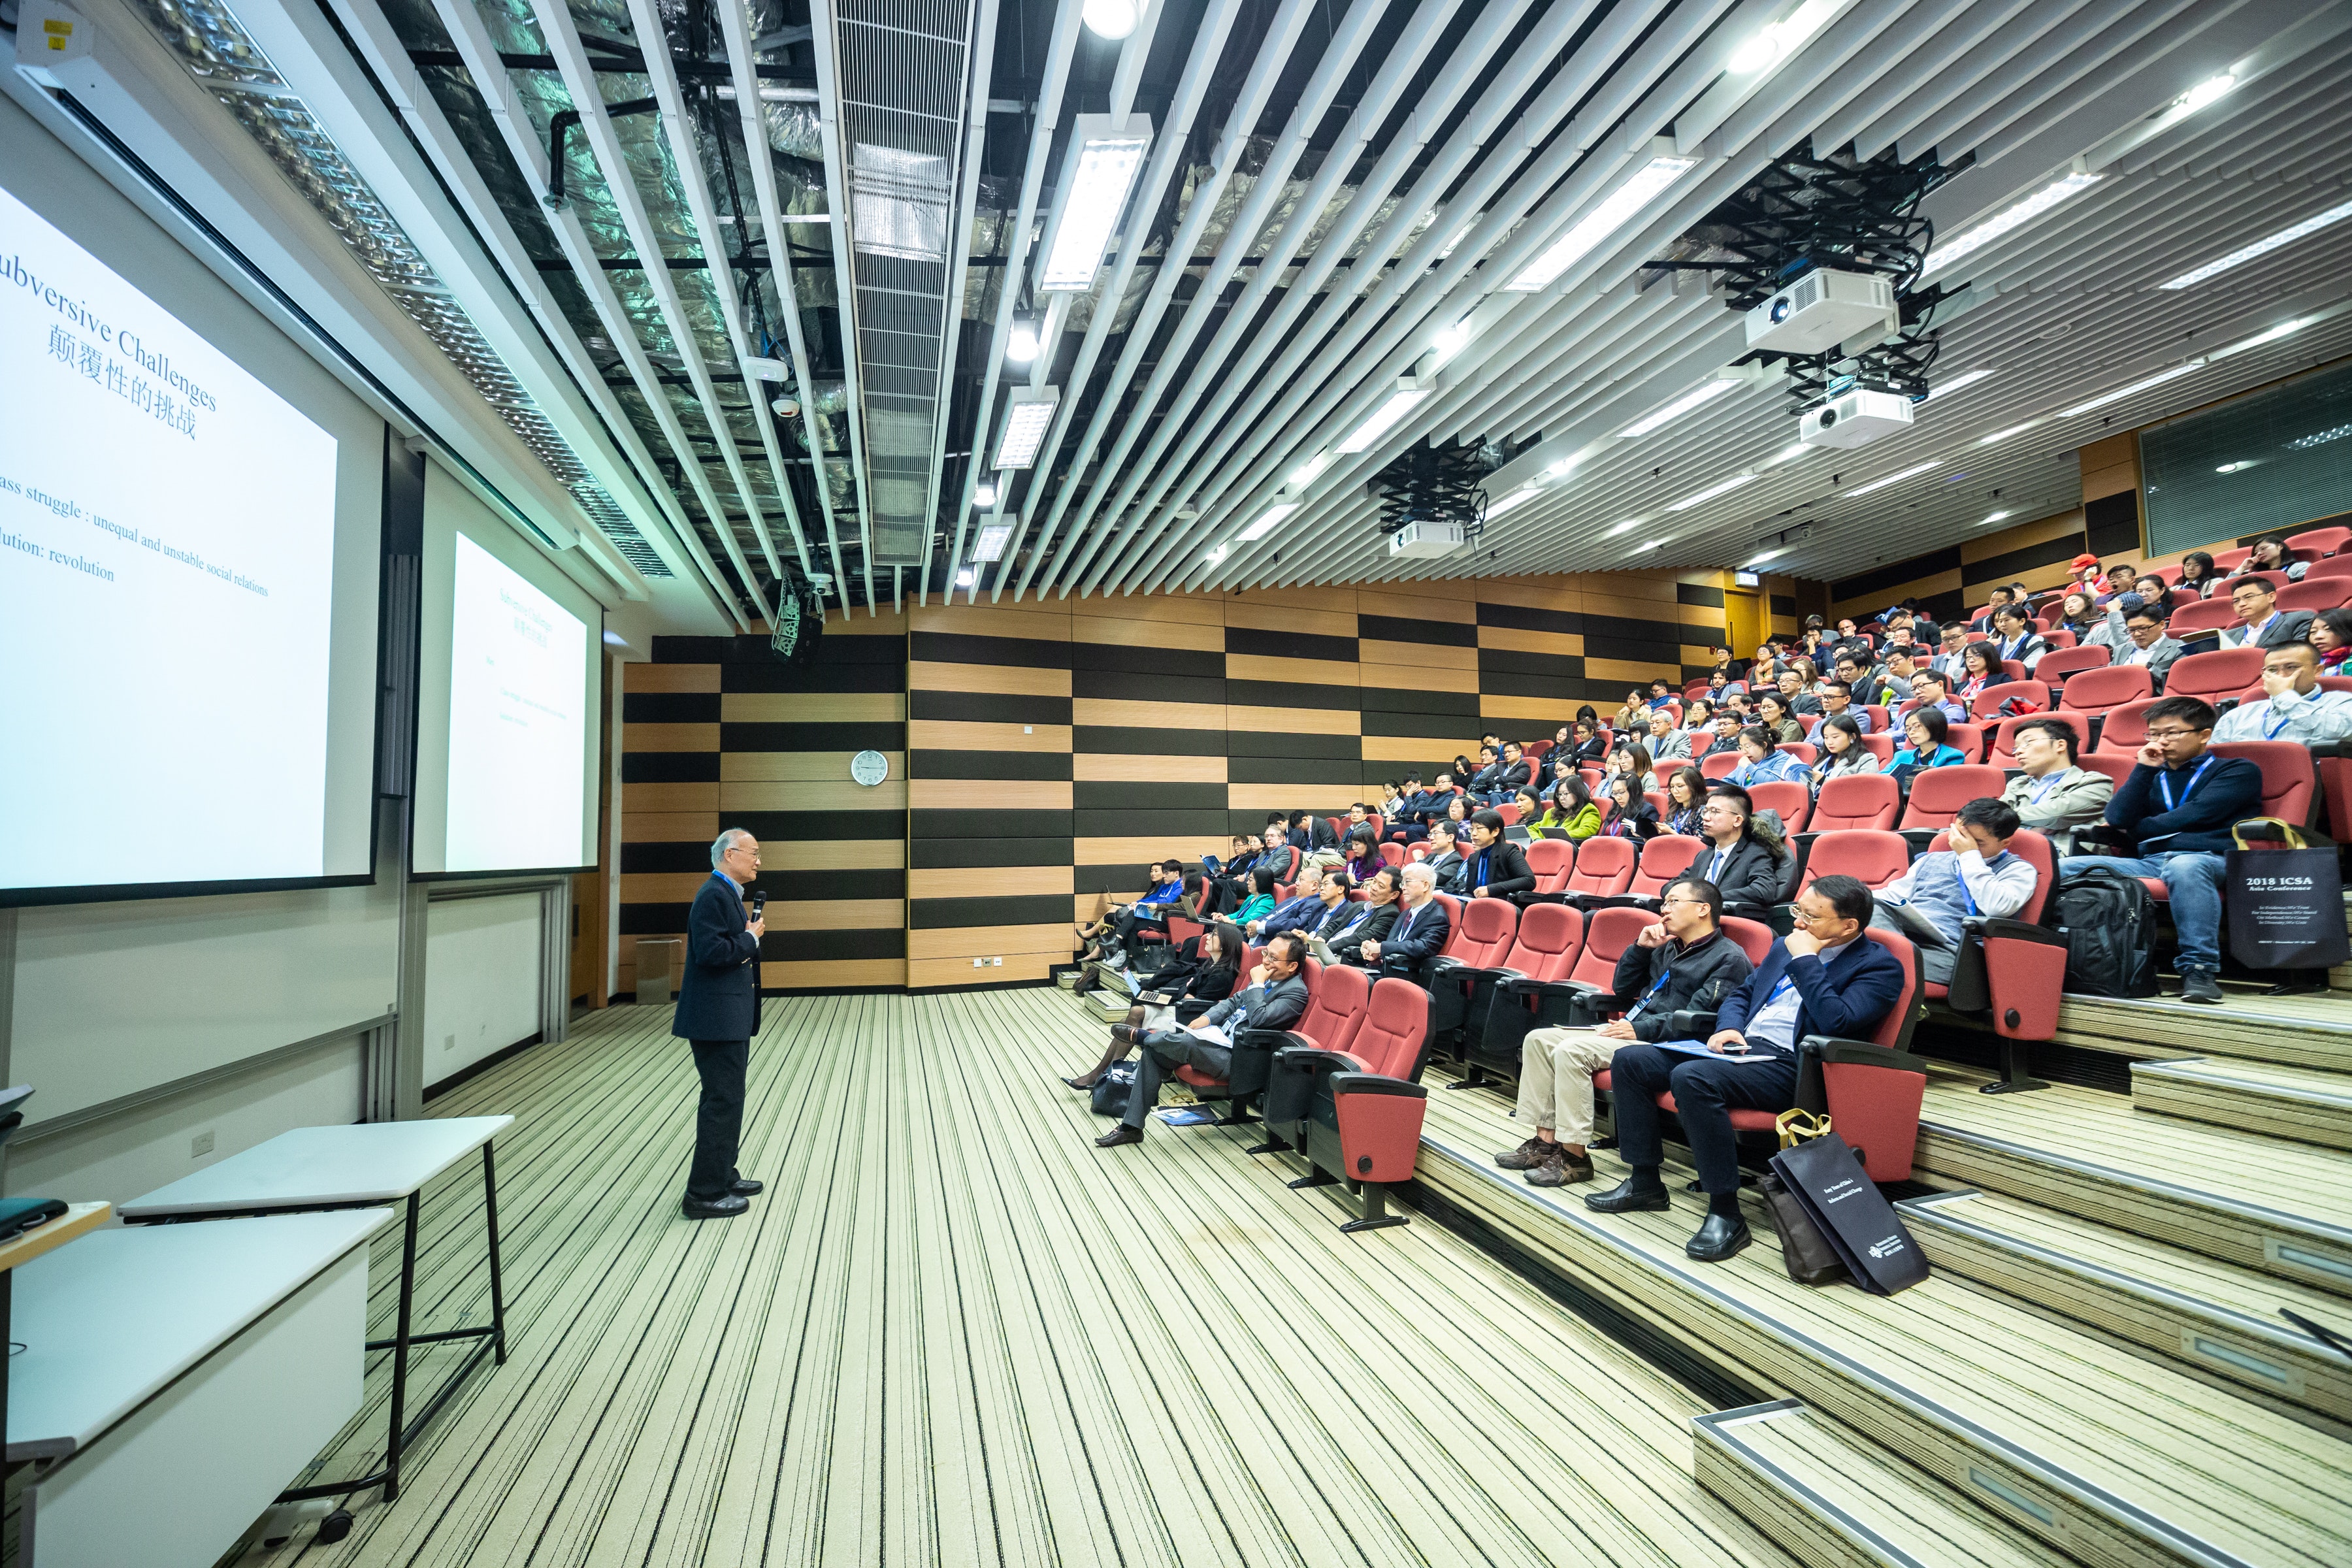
x,y
108,1322
372,1162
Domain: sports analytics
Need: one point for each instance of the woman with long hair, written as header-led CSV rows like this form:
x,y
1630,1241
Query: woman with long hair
x,y
1571,810
2078,612
1626,812
1179,994
2331,633
2198,575
1772,714
1843,752
2270,555
1633,759
1980,668
1686,798
1362,861
1699,717
1528,804
1761,760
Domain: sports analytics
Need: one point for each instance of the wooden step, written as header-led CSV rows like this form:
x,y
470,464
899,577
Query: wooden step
x,y
2310,1030
2062,1434
2182,1308
2258,1096
2258,1202
1832,1498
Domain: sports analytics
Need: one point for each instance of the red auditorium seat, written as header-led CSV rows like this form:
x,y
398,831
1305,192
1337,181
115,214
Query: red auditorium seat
x,y
1857,800
2057,641
1753,937
1872,855
2004,737
1604,867
1549,943
2317,593
1718,764
1509,812
2024,972
2213,676
1360,1111
1986,706
2201,615
1552,860
2229,561
1968,739
2060,663
1663,859
2318,542
1393,853
1803,751
1794,801
2124,730
2290,783
1483,929
2117,765
1659,802
2331,566
1882,746
1937,795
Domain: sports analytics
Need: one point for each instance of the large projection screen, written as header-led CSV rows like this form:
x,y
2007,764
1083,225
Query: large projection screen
x,y
508,691
190,514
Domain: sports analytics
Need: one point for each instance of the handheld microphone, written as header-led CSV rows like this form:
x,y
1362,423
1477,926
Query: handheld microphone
x,y
759,905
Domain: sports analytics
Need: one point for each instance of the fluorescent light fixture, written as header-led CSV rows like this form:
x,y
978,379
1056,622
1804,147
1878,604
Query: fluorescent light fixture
x,y
1654,545
2142,384
1747,576
1720,488
1095,178
1776,41
1613,212
963,578
1030,413
1788,454
1453,340
1993,517
2014,215
1112,19
1410,391
2241,464
1269,520
1020,345
1511,502
2005,435
1627,526
1307,472
2210,91
2318,438
984,493
614,639
1957,383
989,544
1214,556
2263,246
1706,391
1898,476
2284,329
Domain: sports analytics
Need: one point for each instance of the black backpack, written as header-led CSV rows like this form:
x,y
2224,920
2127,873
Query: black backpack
x,y
2109,924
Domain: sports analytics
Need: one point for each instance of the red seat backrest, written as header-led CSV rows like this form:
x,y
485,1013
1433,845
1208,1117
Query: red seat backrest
x,y
1396,1023
1552,860
1753,937
1663,859
1882,746
1604,866
2212,676
1392,852
1873,855
1549,938
1509,812
2004,738
1609,933
2056,666
2034,850
1803,751
2057,642
1937,795
1857,800
1483,932
2124,729
1417,850
2333,566
1535,751
2104,688
2201,615
1719,765
2117,765
1659,802
1794,801
2317,593
1335,1005
2227,560
2319,541
1897,1025
1968,739
2290,781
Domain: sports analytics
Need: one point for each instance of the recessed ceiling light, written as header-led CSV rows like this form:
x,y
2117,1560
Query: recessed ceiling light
x,y
1410,391
1788,454
1993,517
1897,477
963,578
2005,435
2142,384
1308,472
1452,341
2263,246
2210,91
1267,519
2014,215
1030,412
1112,19
1021,342
1957,382
983,494
2319,438
2239,464
1627,526
989,544
1721,487
1517,499
1704,392
1214,556
1613,212
1100,170
2283,330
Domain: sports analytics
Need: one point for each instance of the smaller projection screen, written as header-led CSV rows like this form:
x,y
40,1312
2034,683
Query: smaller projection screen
x,y
508,691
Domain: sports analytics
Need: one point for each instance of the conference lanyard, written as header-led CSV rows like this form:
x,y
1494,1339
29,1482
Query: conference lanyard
x,y
2273,731
1653,991
1777,992
2164,784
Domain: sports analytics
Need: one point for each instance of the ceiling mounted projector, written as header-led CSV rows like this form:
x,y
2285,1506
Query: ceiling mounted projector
x,y
1854,419
1823,309
1424,540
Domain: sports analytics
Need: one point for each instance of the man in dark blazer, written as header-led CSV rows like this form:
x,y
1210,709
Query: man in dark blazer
x,y
2267,626
1826,978
719,1012
1419,929
1276,999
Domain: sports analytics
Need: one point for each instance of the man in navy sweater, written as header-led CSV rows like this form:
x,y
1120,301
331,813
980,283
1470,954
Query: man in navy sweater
x,y
2178,806
1826,978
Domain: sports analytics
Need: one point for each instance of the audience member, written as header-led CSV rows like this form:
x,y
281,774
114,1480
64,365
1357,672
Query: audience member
x,y
2271,555
1419,929
2052,795
1498,867
2298,708
1924,746
1571,811
1588,748
1259,903
1682,962
1980,624
1526,805
1625,809
1361,858
1121,921
1276,998
1742,858
1793,688
2123,579
1824,978
1763,760
2078,612
1837,700
1981,669
2266,625
1772,715
1309,833
1631,757
2176,811
1886,688
1358,921
1300,912
1930,689
1686,799
1947,662
2146,643
2198,576
2331,633
1445,860
2015,639
1726,735
1666,743
1843,752
1489,769
1179,993
1971,874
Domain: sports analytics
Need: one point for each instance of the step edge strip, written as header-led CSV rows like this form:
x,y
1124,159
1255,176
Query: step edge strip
x,y
2284,1094
1716,1429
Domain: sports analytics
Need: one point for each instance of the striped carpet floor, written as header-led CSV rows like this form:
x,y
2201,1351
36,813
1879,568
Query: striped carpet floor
x,y
953,1331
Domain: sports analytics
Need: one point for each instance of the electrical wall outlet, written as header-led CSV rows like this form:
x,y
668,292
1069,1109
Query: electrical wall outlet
x,y
978,961
201,1144
996,963
449,1042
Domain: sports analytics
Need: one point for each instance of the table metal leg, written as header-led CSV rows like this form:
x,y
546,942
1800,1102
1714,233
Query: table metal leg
x,y
497,1283
400,1354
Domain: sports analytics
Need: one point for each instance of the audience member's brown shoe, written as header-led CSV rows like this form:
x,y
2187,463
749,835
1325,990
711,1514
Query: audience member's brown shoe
x,y
1526,1157
1561,1168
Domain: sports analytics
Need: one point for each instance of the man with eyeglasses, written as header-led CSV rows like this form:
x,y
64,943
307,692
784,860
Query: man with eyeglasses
x,y
1825,977
2176,809
717,1014
2267,626
1683,961
2295,707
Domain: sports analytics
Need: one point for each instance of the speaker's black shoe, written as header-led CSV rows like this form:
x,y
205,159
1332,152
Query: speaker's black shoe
x,y
1718,1238
1630,1196
1122,1133
727,1207
745,1188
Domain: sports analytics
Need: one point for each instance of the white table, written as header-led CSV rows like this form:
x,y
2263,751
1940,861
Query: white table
x,y
174,1378
342,1168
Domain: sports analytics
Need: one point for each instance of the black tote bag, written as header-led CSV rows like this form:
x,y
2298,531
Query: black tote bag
x,y
2285,907
1846,1207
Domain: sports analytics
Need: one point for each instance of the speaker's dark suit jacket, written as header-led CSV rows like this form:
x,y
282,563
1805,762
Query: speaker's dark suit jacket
x,y
719,995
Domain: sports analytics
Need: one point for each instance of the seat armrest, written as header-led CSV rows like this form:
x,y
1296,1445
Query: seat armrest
x,y
1302,1058
1347,1083
1688,1023
1994,929
1526,987
1833,1050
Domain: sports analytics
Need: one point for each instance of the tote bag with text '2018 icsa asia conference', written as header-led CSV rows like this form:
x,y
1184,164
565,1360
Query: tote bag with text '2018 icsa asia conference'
x,y
2285,906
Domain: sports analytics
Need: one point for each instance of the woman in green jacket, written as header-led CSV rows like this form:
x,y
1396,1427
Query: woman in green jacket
x,y
1571,810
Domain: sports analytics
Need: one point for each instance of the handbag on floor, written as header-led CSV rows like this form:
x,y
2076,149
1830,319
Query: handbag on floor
x,y
1806,1252
1826,1179
1112,1089
2284,907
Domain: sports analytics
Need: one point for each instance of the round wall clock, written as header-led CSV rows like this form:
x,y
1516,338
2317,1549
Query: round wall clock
x,y
869,768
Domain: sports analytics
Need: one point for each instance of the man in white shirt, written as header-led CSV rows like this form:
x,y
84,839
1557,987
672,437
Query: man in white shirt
x,y
2267,626
1979,878
2298,708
